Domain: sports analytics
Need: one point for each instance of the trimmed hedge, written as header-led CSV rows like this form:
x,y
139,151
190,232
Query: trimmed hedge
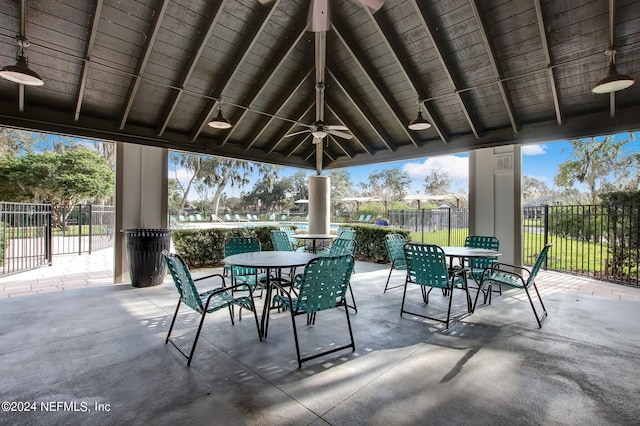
x,y
205,247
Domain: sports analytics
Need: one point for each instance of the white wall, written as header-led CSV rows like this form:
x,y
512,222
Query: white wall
x,y
141,196
495,198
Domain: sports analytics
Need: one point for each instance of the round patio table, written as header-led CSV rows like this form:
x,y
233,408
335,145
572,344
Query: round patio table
x,y
314,238
269,260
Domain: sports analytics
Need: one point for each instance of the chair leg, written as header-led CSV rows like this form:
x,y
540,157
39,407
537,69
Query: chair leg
x,y
404,295
354,307
539,318
195,341
295,338
173,321
449,310
388,278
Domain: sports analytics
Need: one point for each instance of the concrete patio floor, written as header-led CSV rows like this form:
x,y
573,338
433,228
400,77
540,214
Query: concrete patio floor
x,y
100,350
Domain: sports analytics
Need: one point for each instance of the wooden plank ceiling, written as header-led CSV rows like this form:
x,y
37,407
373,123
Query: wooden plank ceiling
x,y
487,73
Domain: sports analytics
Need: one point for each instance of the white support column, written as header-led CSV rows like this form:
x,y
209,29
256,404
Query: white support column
x,y
141,196
319,204
495,198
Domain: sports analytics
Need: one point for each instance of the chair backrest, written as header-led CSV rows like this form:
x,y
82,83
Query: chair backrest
x,y
290,233
236,245
283,217
346,233
255,217
182,279
280,241
228,217
426,265
192,218
249,218
484,242
342,246
395,248
198,217
367,219
237,216
325,282
542,257
361,218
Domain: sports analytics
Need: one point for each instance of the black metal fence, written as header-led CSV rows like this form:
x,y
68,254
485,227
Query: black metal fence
x,y
443,226
600,241
86,228
31,233
26,236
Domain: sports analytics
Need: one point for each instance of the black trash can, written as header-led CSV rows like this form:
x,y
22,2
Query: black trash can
x,y
144,252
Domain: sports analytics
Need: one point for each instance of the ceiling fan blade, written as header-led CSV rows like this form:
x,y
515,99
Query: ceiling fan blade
x,y
318,19
373,5
296,133
336,127
339,134
266,1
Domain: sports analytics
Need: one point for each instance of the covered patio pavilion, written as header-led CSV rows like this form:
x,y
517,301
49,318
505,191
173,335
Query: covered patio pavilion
x,y
488,77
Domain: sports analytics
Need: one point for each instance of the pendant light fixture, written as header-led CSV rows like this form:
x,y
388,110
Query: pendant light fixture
x,y
220,122
20,72
419,123
613,81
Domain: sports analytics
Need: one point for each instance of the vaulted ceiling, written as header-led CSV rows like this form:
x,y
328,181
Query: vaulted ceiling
x,y
487,73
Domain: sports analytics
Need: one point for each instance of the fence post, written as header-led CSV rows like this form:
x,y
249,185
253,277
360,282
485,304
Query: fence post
x,y
49,235
79,229
546,231
449,227
90,227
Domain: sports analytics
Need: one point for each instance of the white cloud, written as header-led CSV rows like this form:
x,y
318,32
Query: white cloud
x,y
456,167
534,149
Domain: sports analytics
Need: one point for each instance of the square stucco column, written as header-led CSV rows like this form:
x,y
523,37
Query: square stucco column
x,y
495,198
319,204
141,196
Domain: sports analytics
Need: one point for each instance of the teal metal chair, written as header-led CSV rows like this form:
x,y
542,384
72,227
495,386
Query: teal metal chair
x,y
395,249
346,233
427,267
204,303
240,274
504,274
476,266
323,286
341,247
294,242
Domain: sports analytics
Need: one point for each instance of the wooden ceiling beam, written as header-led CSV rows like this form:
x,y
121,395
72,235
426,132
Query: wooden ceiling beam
x,y
301,114
344,146
88,50
257,88
495,64
249,41
281,102
547,55
142,62
447,65
359,138
361,107
350,44
214,15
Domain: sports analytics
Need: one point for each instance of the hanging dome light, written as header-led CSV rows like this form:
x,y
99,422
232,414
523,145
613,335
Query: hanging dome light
x,y
20,72
220,122
613,81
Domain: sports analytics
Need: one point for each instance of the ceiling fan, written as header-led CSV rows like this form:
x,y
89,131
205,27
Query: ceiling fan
x,y
320,129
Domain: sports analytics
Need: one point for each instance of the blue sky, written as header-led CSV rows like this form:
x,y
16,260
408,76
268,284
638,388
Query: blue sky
x,y
539,161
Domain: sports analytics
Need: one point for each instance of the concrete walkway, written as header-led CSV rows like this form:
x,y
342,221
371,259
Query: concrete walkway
x,y
73,271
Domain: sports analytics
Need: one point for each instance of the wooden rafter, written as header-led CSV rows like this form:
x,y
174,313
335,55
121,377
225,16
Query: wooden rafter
x,y
300,114
358,137
88,50
257,89
250,39
447,65
142,62
547,55
384,96
282,102
495,64
362,109
214,15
